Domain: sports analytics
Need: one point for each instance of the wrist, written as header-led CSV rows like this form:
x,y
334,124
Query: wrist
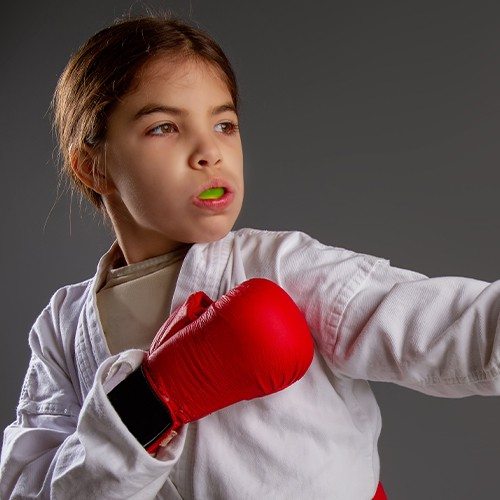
x,y
140,409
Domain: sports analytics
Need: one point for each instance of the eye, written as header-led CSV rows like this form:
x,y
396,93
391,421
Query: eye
x,y
167,128
228,128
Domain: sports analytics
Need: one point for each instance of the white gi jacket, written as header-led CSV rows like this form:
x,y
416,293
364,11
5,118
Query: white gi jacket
x,y
317,439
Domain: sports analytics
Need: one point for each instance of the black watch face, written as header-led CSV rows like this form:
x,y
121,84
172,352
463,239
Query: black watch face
x,y
139,408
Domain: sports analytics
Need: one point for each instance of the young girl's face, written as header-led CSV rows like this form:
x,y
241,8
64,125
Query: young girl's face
x,y
172,138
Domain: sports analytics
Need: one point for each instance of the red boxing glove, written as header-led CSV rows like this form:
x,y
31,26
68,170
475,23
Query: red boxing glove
x,y
252,342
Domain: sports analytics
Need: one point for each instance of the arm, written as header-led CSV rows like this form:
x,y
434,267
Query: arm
x,y
374,321
207,355
439,336
59,448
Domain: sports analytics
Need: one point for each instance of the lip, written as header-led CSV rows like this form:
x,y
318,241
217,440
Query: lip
x,y
220,203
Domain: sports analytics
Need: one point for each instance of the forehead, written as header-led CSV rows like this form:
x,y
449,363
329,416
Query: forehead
x,y
167,73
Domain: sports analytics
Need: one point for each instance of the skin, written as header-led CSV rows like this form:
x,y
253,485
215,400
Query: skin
x,y
150,169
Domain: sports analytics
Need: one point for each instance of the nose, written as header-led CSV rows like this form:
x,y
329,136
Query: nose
x,y
205,154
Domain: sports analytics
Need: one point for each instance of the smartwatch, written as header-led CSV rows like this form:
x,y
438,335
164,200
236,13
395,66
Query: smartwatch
x,y
142,412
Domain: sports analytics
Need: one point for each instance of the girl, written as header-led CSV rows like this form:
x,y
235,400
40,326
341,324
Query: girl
x,y
147,117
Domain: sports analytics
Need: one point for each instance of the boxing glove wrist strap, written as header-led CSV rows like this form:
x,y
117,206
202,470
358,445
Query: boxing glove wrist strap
x,y
145,416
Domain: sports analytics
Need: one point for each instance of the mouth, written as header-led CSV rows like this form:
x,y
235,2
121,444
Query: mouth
x,y
215,195
212,193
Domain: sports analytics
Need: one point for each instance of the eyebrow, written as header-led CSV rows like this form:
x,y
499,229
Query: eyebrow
x,y
161,108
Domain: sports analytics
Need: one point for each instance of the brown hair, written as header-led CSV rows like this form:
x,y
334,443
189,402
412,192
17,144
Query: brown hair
x,y
106,67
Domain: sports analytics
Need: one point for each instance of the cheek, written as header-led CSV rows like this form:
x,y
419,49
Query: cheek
x,y
157,191
135,172
137,188
235,160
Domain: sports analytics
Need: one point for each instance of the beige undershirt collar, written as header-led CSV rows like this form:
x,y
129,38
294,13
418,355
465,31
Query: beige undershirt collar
x,y
135,299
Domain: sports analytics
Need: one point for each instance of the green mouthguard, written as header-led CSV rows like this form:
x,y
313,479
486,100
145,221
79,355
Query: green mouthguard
x,y
211,194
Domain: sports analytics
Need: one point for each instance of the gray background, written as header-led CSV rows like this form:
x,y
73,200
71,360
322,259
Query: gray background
x,y
370,125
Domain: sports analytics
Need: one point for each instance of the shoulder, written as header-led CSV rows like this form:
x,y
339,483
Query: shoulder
x,y
59,317
320,278
285,244
68,300
251,236
296,259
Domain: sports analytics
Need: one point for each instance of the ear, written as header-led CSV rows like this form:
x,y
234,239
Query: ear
x,y
86,164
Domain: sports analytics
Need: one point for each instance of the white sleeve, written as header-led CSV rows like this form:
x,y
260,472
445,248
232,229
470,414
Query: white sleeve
x,y
439,336
373,321
58,448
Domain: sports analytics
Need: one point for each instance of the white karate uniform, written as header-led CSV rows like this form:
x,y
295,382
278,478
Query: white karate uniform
x,y
316,439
